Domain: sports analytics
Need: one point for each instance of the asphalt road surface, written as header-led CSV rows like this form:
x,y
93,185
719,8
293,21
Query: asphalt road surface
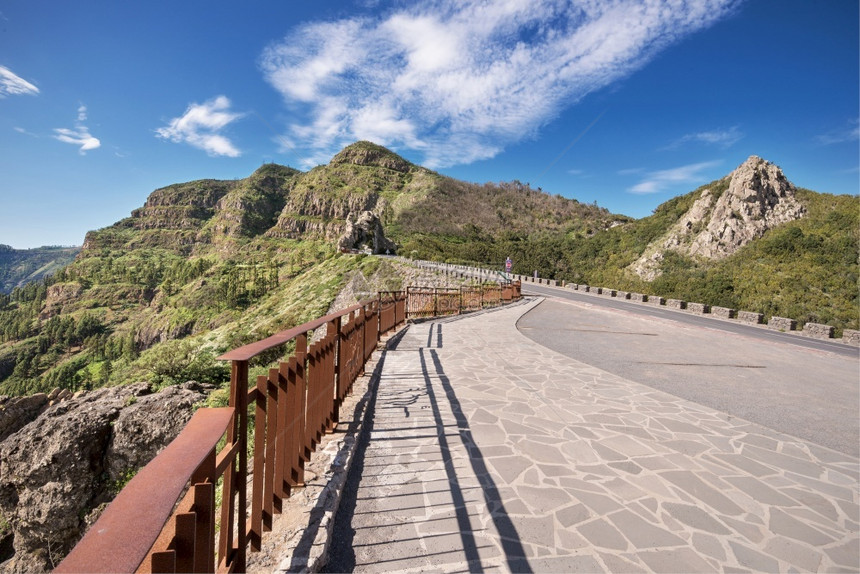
x,y
803,387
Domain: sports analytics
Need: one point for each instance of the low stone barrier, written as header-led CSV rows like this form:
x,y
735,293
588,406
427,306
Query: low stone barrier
x,y
851,337
698,308
750,317
815,330
818,331
782,324
723,312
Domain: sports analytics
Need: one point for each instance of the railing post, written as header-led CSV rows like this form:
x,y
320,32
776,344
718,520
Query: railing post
x,y
232,551
302,387
339,386
257,486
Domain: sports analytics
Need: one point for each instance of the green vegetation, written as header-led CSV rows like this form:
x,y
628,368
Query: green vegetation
x,y
21,266
209,265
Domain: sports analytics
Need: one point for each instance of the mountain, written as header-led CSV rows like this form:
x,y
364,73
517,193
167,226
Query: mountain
x,y
209,265
206,265
727,215
278,202
21,266
750,240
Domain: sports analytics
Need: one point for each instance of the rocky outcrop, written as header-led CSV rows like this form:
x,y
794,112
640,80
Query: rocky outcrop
x,y
738,209
16,412
59,296
364,232
57,471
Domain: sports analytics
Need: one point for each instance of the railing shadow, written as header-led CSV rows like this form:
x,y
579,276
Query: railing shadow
x,y
342,535
342,557
510,540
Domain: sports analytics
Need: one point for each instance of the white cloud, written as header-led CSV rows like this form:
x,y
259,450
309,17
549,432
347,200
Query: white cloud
x,y
13,85
80,135
848,133
21,130
723,138
657,181
459,80
200,125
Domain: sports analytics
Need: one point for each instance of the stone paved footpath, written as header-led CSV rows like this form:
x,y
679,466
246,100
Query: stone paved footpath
x,y
488,452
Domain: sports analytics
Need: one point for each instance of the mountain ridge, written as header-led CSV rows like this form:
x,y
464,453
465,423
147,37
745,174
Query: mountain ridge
x,y
21,266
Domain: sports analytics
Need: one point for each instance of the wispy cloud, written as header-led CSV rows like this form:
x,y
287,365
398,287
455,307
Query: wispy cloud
x,y
200,126
657,181
723,138
13,85
457,81
847,133
21,130
80,135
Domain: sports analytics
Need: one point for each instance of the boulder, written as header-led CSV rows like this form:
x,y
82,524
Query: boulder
x,y
364,232
16,412
69,461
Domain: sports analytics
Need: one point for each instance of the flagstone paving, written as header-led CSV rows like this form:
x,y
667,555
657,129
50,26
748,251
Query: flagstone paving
x,y
488,452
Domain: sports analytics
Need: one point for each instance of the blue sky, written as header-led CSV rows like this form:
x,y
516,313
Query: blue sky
x,y
624,103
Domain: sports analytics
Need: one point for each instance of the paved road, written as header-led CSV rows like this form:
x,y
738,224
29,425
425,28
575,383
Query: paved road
x,y
692,319
486,451
781,383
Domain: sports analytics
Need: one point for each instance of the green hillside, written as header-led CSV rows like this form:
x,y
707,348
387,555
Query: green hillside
x,y
805,269
208,265
21,266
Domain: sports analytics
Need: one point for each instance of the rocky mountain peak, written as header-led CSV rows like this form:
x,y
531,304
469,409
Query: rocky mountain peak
x,y
370,154
727,215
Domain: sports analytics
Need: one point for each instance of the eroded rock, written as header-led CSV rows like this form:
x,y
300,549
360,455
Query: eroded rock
x,y
365,232
71,459
758,198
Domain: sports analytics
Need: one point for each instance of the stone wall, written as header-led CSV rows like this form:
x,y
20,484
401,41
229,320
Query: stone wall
x,y
782,324
750,317
849,336
723,312
699,308
818,331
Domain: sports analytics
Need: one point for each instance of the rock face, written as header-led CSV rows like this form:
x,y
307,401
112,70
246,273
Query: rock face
x,y
744,205
57,471
16,412
365,232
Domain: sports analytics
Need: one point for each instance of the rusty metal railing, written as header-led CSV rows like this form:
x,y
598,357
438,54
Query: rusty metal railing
x,y
152,527
146,504
423,302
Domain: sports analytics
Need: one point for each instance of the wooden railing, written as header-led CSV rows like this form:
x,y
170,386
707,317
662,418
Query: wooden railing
x,y
294,405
